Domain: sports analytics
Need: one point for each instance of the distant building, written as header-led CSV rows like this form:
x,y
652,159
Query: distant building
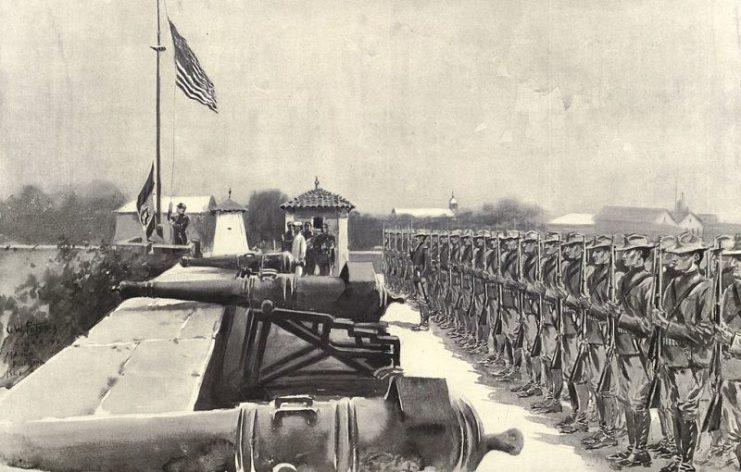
x,y
624,220
322,206
573,222
422,213
230,235
650,221
198,208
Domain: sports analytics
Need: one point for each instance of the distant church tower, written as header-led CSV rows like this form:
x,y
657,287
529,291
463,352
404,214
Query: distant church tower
x,y
453,203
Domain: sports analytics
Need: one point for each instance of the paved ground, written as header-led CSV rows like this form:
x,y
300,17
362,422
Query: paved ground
x,y
433,354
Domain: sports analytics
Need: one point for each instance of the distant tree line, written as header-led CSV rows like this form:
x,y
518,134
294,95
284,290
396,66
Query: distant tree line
x,y
80,216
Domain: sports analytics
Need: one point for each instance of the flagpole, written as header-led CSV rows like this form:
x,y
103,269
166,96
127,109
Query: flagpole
x,y
157,163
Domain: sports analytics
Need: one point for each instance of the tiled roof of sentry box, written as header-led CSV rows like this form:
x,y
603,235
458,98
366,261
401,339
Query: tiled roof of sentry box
x,y
318,198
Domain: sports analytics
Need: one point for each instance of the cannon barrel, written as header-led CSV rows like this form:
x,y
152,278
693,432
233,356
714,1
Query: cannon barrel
x,y
356,294
416,422
249,262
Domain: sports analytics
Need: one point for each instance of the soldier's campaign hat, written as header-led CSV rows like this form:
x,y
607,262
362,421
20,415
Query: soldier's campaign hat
x,y
687,243
444,234
573,238
735,249
601,241
297,223
724,242
494,235
456,233
467,233
552,237
636,241
510,234
181,205
531,236
480,234
667,242
421,232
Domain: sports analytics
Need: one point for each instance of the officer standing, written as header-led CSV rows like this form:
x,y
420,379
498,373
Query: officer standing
x,y
420,264
179,224
298,248
308,234
324,250
510,306
687,333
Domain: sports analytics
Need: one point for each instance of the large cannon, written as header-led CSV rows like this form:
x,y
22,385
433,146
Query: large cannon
x,y
249,263
356,294
416,425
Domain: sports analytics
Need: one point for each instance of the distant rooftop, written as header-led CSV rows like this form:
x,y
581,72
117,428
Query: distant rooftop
x,y
423,212
318,198
633,214
574,219
229,205
193,204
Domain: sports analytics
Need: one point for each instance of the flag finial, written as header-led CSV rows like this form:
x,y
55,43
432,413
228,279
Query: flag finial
x,y
230,193
316,182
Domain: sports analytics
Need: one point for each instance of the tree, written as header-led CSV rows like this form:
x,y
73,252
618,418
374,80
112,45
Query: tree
x,y
364,231
265,219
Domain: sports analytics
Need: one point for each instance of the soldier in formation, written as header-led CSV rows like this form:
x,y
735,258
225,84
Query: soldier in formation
x,y
620,324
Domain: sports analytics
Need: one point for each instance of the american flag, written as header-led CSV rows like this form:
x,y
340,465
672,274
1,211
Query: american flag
x,y
191,78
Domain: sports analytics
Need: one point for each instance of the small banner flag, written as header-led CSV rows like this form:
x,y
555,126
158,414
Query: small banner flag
x,y
145,205
191,78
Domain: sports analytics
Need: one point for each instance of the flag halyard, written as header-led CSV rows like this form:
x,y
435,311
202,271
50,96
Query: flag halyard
x,y
191,78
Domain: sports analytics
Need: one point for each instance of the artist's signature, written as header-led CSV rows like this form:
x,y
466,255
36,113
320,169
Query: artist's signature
x,y
31,327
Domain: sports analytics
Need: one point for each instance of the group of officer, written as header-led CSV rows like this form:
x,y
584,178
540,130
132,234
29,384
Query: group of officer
x,y
615,325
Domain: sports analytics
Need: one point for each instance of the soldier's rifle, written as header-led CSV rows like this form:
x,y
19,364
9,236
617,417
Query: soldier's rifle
x,y
654,352
583,292
606,376
520,341
472,298
712,419
459,268
497,328
482,318
557,361
537,342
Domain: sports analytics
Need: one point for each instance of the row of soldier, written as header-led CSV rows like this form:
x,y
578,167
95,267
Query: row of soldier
x,y
623,322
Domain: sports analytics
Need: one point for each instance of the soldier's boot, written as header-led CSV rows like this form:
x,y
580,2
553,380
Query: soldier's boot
x,y
689,436
580,425
520,388
535,390
594,437
606,439
552,407
639,456
630,426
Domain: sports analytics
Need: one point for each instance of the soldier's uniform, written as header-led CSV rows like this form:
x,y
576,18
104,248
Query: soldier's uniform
x,y
467,337
479,312
571,315
493,323
421,266
455,279
444,278
601,278
510,306
686,350
549,337
531,307
634,294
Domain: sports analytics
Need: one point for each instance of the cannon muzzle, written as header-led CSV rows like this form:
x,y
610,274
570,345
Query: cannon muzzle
x,y
416,423
357,294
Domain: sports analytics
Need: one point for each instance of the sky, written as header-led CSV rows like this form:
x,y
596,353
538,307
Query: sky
x,y
568,104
